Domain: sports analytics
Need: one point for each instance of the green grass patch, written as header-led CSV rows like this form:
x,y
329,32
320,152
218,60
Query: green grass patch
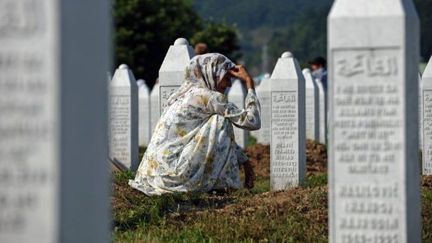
x,y
251,141
316,180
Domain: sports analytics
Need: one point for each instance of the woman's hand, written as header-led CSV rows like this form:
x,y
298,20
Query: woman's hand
x,y
240,72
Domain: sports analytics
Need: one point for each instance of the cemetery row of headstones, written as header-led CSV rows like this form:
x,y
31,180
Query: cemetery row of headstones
x,y
134,111
373,174
54,177
373,133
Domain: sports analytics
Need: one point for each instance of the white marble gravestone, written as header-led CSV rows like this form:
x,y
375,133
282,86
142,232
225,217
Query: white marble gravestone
x,y
123,146
172,70
144,113
237,95
427,119
154,107
420,107
264,96
312,106
288,131
53,174
373,52
322,113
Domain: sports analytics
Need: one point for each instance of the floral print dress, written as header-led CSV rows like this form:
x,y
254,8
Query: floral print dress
x,y
193,146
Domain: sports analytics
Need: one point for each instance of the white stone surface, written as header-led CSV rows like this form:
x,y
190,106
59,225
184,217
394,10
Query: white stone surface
x,y
312,106
288,131
154,107
123,146
322,113
427,119
172,70
420,107
263,91
237,95
144,113
373,53
53,174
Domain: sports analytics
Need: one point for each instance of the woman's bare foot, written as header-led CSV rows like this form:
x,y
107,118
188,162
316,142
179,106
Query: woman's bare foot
x,y
249,175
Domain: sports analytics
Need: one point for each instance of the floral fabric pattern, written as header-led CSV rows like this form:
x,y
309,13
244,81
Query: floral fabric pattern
x,y
193,146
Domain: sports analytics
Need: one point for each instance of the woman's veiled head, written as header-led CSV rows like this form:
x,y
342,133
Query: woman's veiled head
x,y
209,70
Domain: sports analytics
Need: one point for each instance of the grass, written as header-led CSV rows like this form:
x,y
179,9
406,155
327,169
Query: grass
x,y
296,215
242,216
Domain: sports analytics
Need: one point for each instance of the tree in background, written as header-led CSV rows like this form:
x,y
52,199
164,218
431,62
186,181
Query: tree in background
x,y
424,9
259,22
220,38
144,30
295,25
306,37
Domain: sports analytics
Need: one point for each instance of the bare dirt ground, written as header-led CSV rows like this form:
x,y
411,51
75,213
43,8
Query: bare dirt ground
x,y
298,214
316,158
244,201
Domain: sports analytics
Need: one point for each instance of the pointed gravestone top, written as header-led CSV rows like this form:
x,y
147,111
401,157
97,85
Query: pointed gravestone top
x,y
373,58
172,70
287,143
181,41
287,54
427,73
123,66
286,68
123,76
176,60
124,119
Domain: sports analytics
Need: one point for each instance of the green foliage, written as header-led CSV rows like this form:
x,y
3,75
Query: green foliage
x,y
144,29
297,215
427,214
295,25
316,180
251,141
424,8
306,38
193,217
254,14
220,38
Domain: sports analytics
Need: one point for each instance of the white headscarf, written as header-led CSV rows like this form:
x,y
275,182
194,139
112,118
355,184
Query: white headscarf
x,y
204,71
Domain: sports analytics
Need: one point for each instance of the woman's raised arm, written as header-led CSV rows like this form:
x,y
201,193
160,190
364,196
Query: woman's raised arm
x,y
246,118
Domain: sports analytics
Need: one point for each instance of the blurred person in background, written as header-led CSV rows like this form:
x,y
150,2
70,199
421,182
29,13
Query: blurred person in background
x,y
319,70
201,48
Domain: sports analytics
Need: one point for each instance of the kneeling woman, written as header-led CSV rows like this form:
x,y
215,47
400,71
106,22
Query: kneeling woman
x,y
193,146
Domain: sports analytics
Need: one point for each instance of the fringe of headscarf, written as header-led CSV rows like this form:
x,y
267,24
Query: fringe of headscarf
x,y
205,71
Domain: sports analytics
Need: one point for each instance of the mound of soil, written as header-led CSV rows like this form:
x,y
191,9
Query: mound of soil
x,y
427,181
316,158
277,202
259,156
